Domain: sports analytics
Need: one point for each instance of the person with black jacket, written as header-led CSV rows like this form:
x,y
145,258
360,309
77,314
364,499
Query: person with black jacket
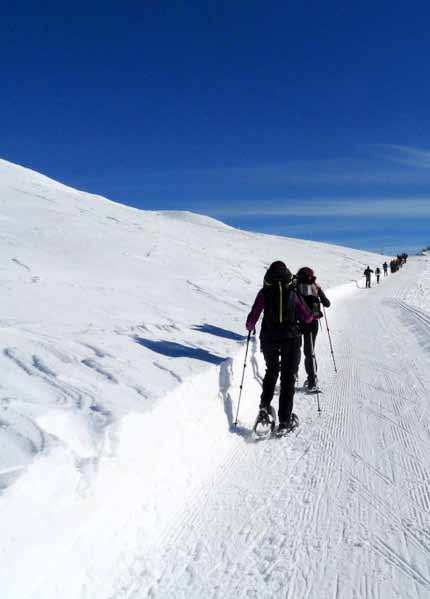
x,y
280,342
368,273
385,268
313,296
377,273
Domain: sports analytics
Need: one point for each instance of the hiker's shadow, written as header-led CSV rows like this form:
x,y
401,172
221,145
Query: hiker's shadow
x,y
247,434
218,331
178,350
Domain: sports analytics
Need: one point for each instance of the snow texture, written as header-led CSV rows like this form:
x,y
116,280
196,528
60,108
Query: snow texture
x,y
122,474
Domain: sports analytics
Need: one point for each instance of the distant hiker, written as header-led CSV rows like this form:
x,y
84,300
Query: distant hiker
x,y
378,274
394,265
313,297
280,342
368,273
385,267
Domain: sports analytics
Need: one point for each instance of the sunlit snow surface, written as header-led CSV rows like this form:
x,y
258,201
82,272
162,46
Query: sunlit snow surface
x,y
123,344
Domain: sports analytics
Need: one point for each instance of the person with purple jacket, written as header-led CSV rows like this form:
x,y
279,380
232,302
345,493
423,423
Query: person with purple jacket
x,y
313,296
280,340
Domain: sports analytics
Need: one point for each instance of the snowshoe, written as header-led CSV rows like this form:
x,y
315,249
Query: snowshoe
x,y
312,390
306,383
287,427
265,423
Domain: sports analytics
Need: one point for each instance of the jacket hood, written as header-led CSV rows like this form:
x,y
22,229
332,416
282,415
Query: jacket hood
x,y
277,271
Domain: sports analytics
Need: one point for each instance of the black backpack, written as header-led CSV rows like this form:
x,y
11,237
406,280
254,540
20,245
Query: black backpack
x,y
279,319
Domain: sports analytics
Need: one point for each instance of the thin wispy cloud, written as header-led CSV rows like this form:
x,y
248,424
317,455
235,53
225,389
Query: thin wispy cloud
x,y
336,171
365,169
407,155
347,207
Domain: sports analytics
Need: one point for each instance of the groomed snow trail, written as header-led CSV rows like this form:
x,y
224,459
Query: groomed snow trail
x,y
339,510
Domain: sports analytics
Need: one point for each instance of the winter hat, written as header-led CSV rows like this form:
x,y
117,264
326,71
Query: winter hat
x,y
278,271
305,274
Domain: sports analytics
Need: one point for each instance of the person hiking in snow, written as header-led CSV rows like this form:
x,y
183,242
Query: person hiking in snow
x,y
280,340
378,274
385,268
394,265
313,296
368,273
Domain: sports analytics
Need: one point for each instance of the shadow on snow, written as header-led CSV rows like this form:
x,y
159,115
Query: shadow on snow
x,y
177,350
218,331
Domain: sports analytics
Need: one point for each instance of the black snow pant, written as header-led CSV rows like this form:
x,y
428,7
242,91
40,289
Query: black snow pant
x,y
385,273
377,278
310,332
281,356
367,282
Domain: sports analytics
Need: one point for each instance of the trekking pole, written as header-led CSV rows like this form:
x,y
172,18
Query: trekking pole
x,y
329,338
243,376
314,362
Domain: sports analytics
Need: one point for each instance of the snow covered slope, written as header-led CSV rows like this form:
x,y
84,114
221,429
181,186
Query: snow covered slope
x,y
123,340
106,308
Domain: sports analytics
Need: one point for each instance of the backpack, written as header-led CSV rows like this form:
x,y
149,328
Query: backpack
x,y
279,320
310,295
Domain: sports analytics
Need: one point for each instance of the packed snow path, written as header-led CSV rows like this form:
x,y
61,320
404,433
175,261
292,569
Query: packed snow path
x,y
342,509
180,506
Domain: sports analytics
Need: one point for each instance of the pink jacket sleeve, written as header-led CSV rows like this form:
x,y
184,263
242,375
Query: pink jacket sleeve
x,y
256,310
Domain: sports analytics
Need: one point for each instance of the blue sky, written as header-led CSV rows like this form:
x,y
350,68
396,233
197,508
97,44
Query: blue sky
x,y
307,119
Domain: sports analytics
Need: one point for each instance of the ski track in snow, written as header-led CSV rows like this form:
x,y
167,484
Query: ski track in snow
x,y
342,509
21,264
94,365
172,373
